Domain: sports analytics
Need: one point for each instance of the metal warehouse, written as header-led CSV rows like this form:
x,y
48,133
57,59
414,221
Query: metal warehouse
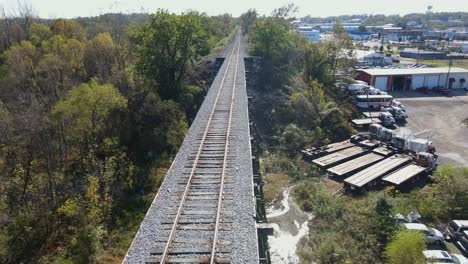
x,y
390,80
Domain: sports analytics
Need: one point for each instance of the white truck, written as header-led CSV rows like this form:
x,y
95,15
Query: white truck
x,y
398,104
379,132
398,113
413,145
387,118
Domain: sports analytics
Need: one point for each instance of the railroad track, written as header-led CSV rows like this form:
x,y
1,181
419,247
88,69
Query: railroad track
x,y
197,223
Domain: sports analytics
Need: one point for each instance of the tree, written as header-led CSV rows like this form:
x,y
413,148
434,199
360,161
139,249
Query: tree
x,y
247,20
271,39
384,224
167,47
68,29
85,110
293,139
286,12
362,28
21,60
100,56
406,248
451,191
38,33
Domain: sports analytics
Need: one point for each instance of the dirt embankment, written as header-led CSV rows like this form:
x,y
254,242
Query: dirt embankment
x,y
264,101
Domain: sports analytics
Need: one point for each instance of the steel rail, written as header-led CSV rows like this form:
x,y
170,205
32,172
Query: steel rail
x,y
226,148
187,187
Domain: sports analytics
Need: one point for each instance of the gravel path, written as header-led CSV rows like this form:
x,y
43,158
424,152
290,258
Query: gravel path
x,y
243,234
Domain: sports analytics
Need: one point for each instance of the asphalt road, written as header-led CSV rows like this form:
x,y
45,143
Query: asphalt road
x,y
446,119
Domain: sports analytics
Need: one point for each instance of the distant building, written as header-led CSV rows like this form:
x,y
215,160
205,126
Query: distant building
x,y
462,45
390,80
357,35
438,34
423,54
371,58
310,33
462,35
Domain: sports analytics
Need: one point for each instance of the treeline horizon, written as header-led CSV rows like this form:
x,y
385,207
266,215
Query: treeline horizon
x,y
92,112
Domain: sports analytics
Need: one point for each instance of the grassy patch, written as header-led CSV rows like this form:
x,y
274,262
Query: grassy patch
x,y
275,183
445,63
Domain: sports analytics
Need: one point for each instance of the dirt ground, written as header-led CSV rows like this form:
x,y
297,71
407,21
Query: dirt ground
x,y
446,118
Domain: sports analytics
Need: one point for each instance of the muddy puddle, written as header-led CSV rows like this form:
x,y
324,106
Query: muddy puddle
x,y
290,224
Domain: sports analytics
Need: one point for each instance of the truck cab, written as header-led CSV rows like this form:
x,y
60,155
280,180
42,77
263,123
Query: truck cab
x,y
377,131
387,119
398,113
417,145
399,142
427,160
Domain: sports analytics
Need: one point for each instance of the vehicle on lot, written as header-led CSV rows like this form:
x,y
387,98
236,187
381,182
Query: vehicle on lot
x,y
463,242
414,145
455,229
398,104
398,113
387,118
442,256
357,87
377,131
432,235
426,160
441,90
373,101
417,145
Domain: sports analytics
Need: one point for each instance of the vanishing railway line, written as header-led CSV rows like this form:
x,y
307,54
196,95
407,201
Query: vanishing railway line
x,y
198,213
201,212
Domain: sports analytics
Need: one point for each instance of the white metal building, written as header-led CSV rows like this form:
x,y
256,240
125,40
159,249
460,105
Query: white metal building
x,y
413,78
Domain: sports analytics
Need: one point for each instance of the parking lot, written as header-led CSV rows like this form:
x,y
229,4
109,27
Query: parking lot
x,y
446,119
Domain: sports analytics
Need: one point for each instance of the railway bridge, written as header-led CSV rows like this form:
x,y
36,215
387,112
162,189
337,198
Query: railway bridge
x,y
205,210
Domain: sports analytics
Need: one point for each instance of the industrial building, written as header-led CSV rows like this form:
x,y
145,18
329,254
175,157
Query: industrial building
x,y
372,58
310,33
390,80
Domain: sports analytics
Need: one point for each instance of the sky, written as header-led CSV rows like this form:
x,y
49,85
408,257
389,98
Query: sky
x,y
315,8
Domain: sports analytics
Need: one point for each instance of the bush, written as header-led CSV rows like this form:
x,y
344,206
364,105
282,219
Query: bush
x,y
406,248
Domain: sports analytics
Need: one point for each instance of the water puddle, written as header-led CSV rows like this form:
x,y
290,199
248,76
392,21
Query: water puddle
x,y
290,224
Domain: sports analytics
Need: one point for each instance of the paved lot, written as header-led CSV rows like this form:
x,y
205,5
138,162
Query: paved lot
x,y
445,117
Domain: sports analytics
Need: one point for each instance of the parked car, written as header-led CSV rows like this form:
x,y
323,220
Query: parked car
x,y
463,242
441,256
455,229
441,90
432,235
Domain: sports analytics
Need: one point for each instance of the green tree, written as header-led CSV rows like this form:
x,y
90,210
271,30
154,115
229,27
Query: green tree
x,y
100,56
271,39
68,29
406,248
85,110
384,224
39,32
247,20
293,139
167,47
21,60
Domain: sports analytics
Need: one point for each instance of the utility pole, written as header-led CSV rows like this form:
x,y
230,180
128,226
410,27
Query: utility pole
x,y
448,74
